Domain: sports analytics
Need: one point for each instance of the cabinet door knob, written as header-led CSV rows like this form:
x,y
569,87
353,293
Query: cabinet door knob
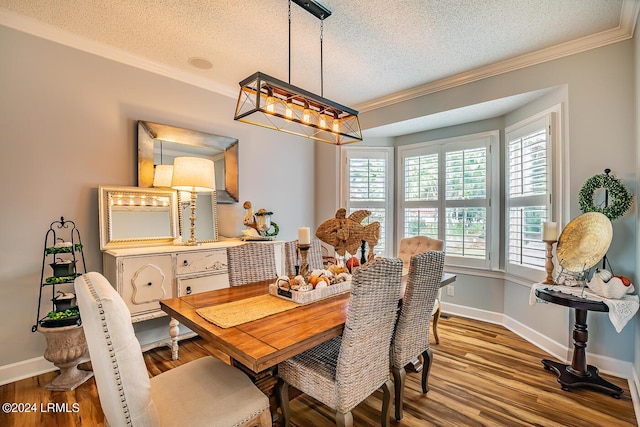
x,y
150,284
185,262
188,290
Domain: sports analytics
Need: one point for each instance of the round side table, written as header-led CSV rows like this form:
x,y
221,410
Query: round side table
x,y
578,374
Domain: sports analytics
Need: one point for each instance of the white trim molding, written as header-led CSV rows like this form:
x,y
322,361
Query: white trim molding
x,y
623,31
25,369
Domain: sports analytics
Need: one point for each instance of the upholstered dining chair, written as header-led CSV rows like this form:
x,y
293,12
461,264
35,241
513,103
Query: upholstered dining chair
x,y
345,370
251,262
314,256
410,246
411,335
203,392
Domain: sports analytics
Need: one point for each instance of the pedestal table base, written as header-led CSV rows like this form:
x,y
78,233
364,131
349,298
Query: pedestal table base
x,y
592,379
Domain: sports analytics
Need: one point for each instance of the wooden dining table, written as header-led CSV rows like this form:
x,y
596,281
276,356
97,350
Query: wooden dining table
x,y
258,346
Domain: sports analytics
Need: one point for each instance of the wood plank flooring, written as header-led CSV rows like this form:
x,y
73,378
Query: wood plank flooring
x,y
482,375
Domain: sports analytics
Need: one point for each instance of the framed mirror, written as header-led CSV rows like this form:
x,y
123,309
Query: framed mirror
x,y
159,144
133,216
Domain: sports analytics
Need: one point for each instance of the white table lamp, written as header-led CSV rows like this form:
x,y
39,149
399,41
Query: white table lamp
x,y
193,174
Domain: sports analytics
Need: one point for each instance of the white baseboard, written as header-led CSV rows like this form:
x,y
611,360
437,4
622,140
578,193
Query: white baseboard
x,y
39,365
554,348
25,369
473,313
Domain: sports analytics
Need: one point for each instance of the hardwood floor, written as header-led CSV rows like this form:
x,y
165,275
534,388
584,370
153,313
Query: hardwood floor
x,y
482,375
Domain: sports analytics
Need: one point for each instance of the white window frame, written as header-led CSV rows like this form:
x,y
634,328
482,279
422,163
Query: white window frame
x,y
491,140
386,153
550,119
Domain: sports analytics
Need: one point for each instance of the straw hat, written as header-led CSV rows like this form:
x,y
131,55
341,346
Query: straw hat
x,y
584,241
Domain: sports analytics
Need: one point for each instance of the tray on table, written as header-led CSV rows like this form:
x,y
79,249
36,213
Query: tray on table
x,y
308,297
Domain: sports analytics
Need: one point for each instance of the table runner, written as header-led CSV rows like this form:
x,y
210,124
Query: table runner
x,y
246,310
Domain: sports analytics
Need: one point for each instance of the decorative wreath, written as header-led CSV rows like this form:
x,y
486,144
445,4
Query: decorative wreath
x,y
620,197
275,231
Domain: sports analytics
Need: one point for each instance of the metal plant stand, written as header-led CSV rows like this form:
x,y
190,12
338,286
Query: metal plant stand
x,y
61,324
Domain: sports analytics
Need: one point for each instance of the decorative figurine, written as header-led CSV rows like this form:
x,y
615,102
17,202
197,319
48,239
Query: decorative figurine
x,y
346,234
260,221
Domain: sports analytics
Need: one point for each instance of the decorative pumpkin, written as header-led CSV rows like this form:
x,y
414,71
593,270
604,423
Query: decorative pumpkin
x,y
625,280
605,275
352,263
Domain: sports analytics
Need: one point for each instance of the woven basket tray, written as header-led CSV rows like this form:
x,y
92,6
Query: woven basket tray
x,y
314,295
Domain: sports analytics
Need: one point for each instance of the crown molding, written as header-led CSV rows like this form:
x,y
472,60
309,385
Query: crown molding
x,y
624,31
49,32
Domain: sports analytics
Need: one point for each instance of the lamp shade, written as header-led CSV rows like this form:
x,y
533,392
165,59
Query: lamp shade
x,y
193,174
162,176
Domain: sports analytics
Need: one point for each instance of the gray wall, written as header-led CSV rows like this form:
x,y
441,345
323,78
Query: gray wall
x,y
68,125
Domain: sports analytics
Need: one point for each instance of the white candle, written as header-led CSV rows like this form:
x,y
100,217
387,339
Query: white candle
x,y
550,231
304,235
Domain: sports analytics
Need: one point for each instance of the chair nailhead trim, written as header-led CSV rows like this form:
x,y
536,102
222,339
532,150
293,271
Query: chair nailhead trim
x,y
112,354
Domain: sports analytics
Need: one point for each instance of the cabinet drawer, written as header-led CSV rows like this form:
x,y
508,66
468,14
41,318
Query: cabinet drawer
x,y
200,262
194,285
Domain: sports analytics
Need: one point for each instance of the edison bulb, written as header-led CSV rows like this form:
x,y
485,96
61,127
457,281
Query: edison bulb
x,y
271,104
289,111
306,115
323,121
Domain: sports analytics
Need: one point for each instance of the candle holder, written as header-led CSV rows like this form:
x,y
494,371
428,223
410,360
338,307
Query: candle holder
x,y
304,266
548,266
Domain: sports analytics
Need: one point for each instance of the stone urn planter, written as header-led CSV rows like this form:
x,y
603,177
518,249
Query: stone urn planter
x,y
65,346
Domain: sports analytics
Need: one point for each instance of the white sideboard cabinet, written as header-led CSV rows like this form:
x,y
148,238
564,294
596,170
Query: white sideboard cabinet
x,y
144,276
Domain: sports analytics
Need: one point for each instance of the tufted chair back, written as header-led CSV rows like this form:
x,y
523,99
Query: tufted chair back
x,y
410,246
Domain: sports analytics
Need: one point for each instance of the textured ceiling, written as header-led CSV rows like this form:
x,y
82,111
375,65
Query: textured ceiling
x,y
372,48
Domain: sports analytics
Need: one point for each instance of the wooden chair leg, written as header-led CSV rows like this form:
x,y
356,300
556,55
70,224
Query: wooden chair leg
x,y
387,392
282,395
399,375
436,317
265,419
344,420
427,358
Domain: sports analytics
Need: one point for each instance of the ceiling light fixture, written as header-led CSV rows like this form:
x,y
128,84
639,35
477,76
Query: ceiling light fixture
x,y
275,104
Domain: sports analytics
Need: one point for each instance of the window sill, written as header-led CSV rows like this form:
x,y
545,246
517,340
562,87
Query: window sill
x,y
491,274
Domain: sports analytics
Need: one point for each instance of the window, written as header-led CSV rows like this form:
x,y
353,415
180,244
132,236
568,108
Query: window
x,y
528,173
368,174
446,191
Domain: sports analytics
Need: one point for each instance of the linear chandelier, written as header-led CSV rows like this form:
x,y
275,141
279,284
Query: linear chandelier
x,y
275,104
